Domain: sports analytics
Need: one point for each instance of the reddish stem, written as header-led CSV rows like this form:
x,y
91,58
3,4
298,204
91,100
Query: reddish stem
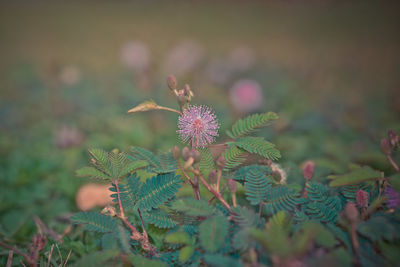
x,y
26,256
393,163
119,199
209,188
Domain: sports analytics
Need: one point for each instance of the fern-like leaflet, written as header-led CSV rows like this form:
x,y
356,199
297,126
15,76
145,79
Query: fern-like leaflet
x,y
249,124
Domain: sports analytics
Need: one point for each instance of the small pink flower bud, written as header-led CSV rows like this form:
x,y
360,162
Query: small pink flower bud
x,y
351,212
308,170
385,146
362,198
172,83
176,152
213,177
232,186
186,153
196,156
394,138
221,162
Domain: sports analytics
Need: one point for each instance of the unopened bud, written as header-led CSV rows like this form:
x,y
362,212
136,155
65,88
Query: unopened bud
x,y
351,212
188,92
109,211
394,138
232,186
196,156
308,170
172,83
185,153
213,177
362,199
176,152
188,163
221,162
39,241
385,146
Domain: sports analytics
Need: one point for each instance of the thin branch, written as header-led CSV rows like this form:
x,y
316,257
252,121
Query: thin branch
x,y
209,188
184,173
119,199
10,258
219,174
144,229
393,163
16,250
260,209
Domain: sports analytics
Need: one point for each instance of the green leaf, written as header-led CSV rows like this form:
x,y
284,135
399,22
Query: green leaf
x,y
256,184
159,218
98,258
357,175
233,157
95,222
157,190
164,163
282,198
206,163
213,232
133,166
185,253
92,173
379,228
193,207
140,261
218,260
245,217
257,145
249,124
180,237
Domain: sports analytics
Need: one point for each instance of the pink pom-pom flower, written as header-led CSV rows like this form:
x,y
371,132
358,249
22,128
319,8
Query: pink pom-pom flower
x,y
198,125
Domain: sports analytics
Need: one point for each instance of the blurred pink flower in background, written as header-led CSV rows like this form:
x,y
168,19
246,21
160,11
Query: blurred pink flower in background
x,y
246,96
183,58
136,55
70,75
241,58
67,136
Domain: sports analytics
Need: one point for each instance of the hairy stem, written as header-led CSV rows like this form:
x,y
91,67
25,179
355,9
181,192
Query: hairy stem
x,y
144,229
260,209
194,184
10,258
119,199
209,188
395,166
234,199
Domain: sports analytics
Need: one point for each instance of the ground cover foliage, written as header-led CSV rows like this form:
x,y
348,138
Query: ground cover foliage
x,y
254,213
331,108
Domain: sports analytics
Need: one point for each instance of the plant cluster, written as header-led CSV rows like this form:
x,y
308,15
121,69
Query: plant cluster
x,y
246,210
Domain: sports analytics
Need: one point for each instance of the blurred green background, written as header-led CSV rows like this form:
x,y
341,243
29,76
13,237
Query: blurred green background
x,y
70,70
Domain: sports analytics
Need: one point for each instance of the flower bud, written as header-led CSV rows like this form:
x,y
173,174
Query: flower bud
x,y
172,83
308,170
393,138
186,153
362,199
188,163
213,177
187,92
221,162
176,152
351,212
232,186
196,156
385,146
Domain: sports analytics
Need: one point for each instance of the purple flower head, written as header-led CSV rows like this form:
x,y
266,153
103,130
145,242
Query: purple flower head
x,y
392,198
199,125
